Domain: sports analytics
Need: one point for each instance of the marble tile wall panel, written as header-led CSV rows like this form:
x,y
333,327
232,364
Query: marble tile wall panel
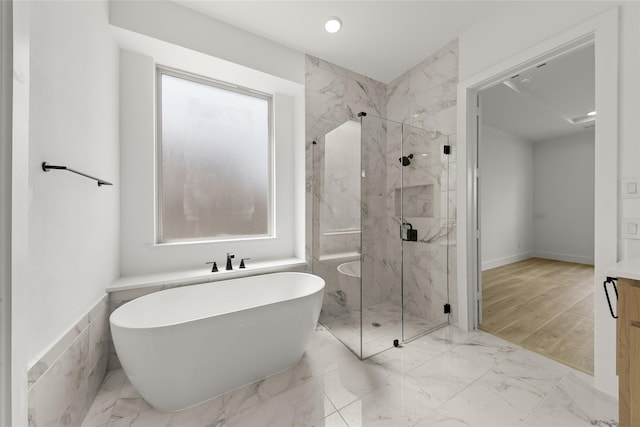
x,y
64,382
426,89
339,243
335,95
425,97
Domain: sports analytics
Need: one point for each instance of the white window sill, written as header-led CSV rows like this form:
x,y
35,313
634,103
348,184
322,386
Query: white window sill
x,y
202,275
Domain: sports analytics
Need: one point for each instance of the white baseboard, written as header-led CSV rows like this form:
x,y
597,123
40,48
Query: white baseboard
x,y
564,257
499,262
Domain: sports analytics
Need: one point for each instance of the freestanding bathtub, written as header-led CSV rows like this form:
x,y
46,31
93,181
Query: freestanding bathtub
x,y
186,345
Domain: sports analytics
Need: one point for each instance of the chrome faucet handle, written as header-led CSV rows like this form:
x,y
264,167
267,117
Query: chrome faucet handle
x,y
214,267
242,262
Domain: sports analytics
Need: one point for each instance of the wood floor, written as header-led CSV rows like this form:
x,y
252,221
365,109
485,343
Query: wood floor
x,y
543,305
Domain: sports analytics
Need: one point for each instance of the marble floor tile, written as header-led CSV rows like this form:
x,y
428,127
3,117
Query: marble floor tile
x,y
374,339
493,400
303,405
446,378
532,368
100,411
403,359
574,402
451,372
403,403
352,381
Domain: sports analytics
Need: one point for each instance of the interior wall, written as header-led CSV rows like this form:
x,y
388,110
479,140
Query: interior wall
x,y
425,97
506,197
139,251
340,215
72,235
183,27
162,41
629,149
511,38
563,198
517,26
6,99
333,96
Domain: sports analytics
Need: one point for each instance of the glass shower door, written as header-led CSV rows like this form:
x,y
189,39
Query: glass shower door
x,y
336,230
380,244
424,230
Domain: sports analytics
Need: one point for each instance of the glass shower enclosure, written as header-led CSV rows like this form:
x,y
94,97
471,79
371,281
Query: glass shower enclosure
x,y
381,231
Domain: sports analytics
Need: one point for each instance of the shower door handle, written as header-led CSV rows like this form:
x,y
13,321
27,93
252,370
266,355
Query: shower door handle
x,y
408,233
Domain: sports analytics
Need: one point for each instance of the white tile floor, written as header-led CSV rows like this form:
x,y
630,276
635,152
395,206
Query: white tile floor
x,y
447,378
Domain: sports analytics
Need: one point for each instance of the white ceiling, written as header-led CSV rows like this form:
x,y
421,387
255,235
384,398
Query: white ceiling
x,y
380,39
552,104
383,39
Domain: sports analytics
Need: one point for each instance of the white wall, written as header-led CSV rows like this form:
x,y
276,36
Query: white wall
x,y
71,233
506,197
183,27
517,26
6,80
139,252
629,149
563,195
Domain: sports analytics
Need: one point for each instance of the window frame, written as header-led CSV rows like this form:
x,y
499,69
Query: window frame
x,y
219,84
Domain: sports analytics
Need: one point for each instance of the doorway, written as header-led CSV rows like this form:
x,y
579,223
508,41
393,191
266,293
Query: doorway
x,y
536,162
604,30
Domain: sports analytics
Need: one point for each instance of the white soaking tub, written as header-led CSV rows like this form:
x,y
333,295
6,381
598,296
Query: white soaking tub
x,y
183,346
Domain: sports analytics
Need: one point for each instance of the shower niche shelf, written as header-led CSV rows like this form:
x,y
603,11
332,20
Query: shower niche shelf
x,y
418,201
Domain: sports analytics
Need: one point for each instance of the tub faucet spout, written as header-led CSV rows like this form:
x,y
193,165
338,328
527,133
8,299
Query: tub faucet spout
x,y
229,257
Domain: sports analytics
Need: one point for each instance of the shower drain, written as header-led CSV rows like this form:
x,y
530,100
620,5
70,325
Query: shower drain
x,y
376,324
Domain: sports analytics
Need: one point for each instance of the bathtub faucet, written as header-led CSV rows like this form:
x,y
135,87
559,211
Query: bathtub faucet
x,y
229,257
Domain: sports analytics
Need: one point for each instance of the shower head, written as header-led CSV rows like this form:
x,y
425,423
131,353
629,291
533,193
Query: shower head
x,y
406,160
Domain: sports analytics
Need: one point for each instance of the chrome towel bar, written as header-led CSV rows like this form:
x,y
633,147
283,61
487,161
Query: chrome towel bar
x,y
46,167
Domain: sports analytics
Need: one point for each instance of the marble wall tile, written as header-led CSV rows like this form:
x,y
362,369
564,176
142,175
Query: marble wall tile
x,y
335,95
62,393
398,108
45,362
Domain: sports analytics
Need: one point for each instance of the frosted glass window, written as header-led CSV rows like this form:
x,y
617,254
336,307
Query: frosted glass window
x,y
214,168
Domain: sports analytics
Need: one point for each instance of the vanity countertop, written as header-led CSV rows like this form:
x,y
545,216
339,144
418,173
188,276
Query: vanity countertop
x,y
628,269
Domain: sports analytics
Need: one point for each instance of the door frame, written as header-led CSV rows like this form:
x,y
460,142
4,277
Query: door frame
x,y
602,30
477,197
6,106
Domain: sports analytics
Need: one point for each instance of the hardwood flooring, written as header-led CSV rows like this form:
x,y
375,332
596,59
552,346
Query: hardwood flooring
x,y
543,305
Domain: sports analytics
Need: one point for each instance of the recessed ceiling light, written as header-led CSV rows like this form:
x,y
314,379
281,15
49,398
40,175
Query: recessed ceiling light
x,y
333,24
591,113
526,79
